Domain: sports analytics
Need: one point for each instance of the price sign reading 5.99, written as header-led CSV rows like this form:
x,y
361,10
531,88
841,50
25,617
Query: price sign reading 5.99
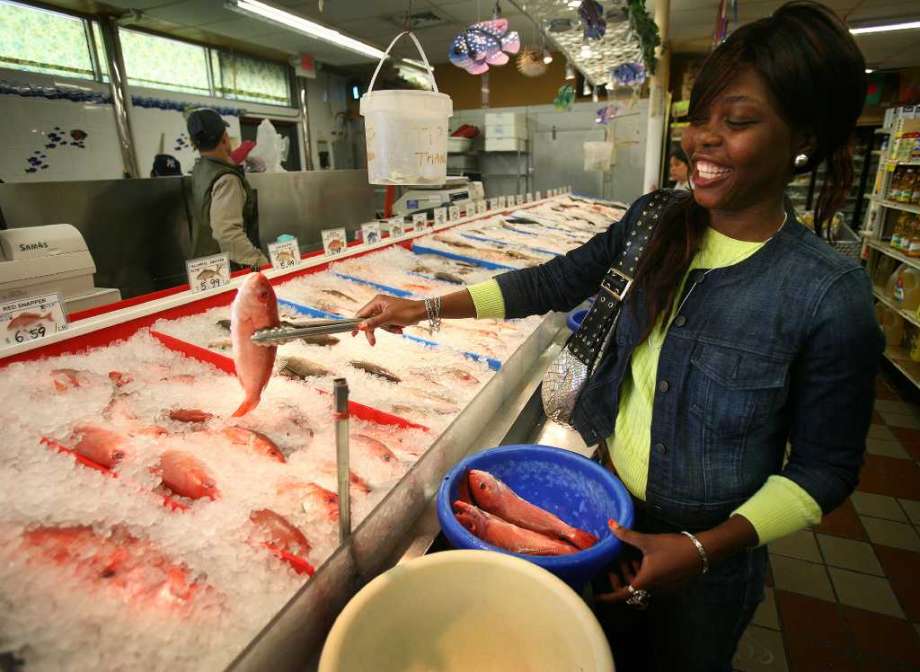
x,y
207,273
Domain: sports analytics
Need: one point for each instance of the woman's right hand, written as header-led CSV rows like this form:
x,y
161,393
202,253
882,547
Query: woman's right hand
x,y
390,313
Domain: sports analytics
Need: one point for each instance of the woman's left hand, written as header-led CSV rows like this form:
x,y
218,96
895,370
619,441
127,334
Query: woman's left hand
x,y
667,562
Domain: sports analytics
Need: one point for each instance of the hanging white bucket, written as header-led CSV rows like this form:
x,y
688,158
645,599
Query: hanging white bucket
x,y
598,155
406,131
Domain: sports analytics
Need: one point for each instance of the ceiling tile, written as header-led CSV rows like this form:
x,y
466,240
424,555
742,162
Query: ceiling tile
x,y
191,12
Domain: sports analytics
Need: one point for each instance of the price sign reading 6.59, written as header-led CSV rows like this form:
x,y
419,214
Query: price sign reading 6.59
x,y
24,320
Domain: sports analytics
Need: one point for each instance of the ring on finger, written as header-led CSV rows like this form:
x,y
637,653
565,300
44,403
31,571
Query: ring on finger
x,y
638,597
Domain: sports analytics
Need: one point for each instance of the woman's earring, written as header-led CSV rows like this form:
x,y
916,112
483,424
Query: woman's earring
x,y
801,160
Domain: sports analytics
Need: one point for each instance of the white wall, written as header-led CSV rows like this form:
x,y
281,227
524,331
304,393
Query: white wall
x,y
30,123
327,96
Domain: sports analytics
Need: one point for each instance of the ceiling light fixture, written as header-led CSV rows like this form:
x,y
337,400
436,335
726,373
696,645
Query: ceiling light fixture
x,y
547,57
907,25
312,29
869,71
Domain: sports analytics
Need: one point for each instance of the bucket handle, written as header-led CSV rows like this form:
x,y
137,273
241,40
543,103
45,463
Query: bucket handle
x,y
421,53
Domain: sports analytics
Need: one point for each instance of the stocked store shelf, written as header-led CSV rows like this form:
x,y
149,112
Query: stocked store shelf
x,y
906,314
894,205
902,362
888,250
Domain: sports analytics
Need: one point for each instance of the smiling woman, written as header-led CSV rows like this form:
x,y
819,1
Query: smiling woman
x,y
741,332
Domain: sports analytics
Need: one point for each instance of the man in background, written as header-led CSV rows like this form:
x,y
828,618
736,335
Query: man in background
x,y
224,210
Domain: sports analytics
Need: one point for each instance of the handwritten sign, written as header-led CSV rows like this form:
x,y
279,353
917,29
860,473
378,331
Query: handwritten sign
x,y
453,213
440,216
284,255
206,273
502,202
481,207
419,221
24,320
519,199
539,195
334,242
370,233
493,203
396,227
528,198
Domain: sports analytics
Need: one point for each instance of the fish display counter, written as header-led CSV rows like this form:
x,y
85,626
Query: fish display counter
x,y
161,510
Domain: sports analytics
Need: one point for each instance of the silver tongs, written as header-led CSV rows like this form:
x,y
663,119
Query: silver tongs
x,y
285,334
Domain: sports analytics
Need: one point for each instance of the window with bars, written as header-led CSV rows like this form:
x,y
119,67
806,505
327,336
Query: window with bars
x,y
39,40
49,42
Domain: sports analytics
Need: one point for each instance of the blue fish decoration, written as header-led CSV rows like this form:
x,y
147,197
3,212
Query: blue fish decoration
x,y
484,44
592,17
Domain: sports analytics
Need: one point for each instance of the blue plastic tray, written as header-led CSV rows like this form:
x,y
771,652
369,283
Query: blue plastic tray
x,y
422,249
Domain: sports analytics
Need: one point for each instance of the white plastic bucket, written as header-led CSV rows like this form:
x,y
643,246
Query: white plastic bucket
x,y
458,611
598,155
406,131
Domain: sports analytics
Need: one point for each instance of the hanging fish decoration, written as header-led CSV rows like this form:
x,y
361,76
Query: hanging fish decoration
x,y
607,112
530,63
484,44
565,97
628,74
592,17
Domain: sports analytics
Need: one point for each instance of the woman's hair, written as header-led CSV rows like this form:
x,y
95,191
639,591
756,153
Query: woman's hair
x,y
816,74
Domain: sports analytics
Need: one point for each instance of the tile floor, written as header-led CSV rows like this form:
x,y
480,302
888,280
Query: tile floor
x,y
845,596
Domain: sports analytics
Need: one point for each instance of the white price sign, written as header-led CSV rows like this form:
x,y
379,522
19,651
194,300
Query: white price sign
x,y
205,273
480,207
539,195
334,241
519,199
419,221
529,197
24,320
454,213
370,233
502,202
440,216
396,227
493,203
284,255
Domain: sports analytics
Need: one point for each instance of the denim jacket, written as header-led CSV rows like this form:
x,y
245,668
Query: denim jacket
x,y
783,346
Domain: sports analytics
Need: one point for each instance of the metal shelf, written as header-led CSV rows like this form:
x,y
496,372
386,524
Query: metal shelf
x,y
903,363
886,130
888,250
894,205
910,316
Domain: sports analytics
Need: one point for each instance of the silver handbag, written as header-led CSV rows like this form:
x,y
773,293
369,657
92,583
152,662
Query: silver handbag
x,y
566,377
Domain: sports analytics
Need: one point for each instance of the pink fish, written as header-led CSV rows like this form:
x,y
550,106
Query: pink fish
x,y
65,379
279,532
255,307
376,448
256,441
506,535
497,498
100,445
189,415
120,379
26,320
185,475
134,567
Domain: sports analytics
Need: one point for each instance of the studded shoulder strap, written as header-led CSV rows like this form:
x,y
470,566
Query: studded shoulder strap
x,y
592,337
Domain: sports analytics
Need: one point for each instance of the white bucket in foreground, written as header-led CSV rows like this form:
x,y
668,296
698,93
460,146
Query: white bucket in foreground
x,y
406,131
458,611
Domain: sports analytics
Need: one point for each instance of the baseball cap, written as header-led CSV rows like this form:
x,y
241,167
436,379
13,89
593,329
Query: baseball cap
x,y
205,126
165,165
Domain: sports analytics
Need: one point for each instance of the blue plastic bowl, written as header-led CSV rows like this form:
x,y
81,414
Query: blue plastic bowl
x,y
578,490
575,318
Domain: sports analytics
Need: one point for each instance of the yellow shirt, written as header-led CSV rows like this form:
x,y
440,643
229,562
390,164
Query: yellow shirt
x,y
780,507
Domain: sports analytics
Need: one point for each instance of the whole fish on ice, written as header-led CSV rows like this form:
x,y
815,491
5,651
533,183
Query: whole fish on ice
x,y
484,44
494,497
255,441
102,446
255,307
279,532
185,475
506,535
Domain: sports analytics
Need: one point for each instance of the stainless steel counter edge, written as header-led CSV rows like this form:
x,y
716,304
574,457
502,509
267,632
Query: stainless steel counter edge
x,y
294,637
